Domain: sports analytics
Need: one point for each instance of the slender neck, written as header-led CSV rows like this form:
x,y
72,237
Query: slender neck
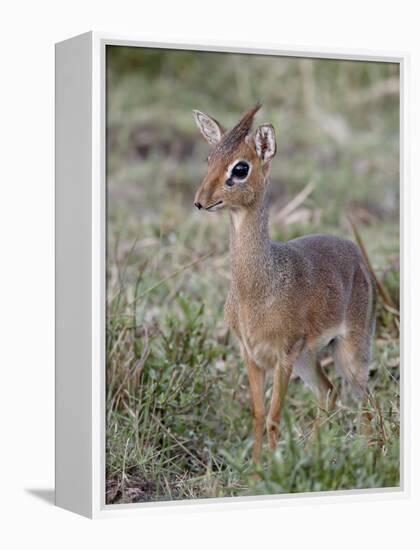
x,y
250,249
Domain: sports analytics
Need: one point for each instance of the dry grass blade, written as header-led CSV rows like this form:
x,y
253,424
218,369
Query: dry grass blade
x,y
386,298
295,202
171,276
133,373
179,443
392,310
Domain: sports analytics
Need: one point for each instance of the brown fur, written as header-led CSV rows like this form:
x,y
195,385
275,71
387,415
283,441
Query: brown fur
x,y
233,139
287,301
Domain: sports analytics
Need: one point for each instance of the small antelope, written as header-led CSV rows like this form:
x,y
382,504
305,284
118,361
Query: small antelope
x,y
287,300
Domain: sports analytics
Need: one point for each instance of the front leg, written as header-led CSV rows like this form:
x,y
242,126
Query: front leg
x,y
281,377
256,377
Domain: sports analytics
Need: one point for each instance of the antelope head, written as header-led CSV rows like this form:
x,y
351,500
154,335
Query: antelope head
x,y
238,163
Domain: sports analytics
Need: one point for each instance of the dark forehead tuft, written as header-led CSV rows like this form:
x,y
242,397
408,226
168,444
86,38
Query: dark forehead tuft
x,y
232,139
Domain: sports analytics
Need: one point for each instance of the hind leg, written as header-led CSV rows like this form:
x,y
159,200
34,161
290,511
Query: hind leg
x,y
353,351
309,369
353,365
352,355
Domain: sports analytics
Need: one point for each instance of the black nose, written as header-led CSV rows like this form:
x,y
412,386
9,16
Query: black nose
x,y
198,205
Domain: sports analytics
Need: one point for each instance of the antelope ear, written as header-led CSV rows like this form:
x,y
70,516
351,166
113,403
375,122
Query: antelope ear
x,y
265,142
209,127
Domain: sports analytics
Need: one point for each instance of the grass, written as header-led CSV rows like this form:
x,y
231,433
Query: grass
x,y
178,420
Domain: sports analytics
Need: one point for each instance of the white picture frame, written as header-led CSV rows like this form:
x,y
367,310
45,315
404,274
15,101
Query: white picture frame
x,y
80,274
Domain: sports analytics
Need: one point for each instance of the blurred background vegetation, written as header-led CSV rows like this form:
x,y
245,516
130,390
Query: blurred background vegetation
x,y
178,421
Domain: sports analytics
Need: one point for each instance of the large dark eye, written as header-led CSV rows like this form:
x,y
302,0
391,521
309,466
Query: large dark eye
x,y
240,170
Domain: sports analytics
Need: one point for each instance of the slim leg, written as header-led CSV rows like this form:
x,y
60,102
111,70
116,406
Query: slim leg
x,y
256,378
281,377
353,355
309,369
367,417
327,395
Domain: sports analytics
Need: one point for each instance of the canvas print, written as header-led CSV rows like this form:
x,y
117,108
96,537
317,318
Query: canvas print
x,y
252,302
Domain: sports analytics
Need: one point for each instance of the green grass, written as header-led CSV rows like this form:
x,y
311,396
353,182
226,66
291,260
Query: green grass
x,y
178,420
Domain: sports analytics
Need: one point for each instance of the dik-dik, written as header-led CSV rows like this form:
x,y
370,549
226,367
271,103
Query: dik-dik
x,y
287,300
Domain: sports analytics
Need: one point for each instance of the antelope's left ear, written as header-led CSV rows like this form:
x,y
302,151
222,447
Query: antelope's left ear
x,y
265,142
